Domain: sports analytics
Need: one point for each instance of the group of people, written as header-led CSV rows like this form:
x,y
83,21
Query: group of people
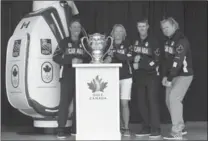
x,y
141,59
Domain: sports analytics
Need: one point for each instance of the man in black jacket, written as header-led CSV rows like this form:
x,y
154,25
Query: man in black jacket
x,y
146,54
68,52
177,73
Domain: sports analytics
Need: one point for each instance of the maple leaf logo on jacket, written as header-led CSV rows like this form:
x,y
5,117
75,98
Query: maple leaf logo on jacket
x,y
97,85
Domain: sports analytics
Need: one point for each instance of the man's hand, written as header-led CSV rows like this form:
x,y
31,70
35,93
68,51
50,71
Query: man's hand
x,y
129,55
136,66
76,61
137,58
164,81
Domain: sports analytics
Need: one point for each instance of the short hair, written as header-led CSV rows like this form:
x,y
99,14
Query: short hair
x,y
143,20
171,20
74,21
118,25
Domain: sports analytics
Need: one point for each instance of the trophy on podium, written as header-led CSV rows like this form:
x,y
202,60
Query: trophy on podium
x,y
97,46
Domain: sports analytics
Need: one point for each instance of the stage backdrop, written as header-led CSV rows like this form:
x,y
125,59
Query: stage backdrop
x,y
100,16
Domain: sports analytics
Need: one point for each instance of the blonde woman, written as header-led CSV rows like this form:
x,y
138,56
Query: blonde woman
x,y
120,53
177,74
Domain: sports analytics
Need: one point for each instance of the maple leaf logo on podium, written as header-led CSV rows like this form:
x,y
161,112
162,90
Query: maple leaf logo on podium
x,y
97,85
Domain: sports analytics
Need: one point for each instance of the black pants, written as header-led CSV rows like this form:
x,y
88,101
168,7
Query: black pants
x,y
148,101
66,97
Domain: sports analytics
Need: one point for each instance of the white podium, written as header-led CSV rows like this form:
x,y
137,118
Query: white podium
x,y
97,101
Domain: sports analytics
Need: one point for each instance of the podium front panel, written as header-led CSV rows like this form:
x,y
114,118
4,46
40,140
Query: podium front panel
x,y
97,103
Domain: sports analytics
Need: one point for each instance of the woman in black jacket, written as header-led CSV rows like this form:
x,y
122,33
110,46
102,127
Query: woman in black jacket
x,y
121,53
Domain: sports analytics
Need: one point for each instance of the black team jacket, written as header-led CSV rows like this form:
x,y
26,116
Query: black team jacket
x,y
149,51
65,52
177,59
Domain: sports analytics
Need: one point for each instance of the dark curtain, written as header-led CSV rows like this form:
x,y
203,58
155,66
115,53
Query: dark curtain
x,y
100,16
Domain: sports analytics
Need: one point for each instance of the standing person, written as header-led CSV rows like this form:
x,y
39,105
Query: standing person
x,y
121,54
177,73
146,54
68,52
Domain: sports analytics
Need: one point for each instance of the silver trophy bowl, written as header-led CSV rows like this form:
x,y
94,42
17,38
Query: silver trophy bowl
x,y
97,46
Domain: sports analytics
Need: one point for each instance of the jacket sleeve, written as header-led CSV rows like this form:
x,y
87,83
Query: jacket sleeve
x,y
133,52
108,58
82,54
86,57
163,64
180,54
154,60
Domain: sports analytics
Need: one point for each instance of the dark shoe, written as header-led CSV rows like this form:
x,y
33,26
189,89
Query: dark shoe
x,y
155,134
126,133
143,132
174,136
73,131
61,135
184,132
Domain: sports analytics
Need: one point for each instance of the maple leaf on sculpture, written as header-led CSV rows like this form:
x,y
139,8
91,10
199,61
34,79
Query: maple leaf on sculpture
x,y
15,72
47,68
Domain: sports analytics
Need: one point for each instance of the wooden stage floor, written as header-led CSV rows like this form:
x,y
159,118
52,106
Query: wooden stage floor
x,y
196,131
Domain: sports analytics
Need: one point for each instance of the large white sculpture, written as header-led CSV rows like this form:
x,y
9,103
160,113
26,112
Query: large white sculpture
x,y
32,78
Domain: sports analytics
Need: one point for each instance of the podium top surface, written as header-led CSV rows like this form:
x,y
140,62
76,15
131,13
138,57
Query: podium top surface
x,y
105,65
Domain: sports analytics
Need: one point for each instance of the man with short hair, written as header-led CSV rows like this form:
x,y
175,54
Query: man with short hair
x,y
146,54
69,51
